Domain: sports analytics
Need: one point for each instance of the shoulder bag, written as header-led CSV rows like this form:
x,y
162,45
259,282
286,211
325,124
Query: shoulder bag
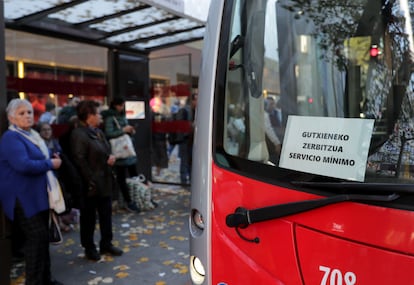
x,y
122,146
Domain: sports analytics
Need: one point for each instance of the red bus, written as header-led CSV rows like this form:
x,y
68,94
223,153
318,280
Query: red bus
x,y
303,158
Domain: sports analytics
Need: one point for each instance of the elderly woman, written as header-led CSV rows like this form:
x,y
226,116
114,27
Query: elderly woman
x,y
91,154
24,163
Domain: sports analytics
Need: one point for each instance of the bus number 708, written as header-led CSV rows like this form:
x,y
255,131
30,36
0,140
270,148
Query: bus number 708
x,y
335,276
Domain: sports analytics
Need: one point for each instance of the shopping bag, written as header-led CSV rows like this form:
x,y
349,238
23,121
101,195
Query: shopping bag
x,y
140,193
122,146
54,190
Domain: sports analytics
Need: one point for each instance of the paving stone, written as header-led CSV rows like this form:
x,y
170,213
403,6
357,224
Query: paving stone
x,y
156,245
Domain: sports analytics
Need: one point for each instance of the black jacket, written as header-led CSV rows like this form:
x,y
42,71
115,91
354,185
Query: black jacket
x,y
90,152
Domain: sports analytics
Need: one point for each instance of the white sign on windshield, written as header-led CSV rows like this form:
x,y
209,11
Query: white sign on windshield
x,y
334,147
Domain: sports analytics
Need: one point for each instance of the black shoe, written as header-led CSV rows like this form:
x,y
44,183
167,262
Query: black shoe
x,y
112,250
132,207
55,282
92,254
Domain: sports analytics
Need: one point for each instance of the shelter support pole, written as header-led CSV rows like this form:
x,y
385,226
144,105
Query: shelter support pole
x,y
5,242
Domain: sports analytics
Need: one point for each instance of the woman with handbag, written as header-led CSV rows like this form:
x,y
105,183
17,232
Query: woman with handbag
x,y
24,164
92,156
116,125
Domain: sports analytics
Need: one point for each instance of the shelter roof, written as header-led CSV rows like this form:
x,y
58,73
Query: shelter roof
x,y
122,24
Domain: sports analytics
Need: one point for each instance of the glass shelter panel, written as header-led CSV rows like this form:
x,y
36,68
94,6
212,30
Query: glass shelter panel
x,y
172,117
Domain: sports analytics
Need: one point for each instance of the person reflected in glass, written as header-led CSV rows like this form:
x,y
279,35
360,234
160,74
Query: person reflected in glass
x,y
160,114
274,143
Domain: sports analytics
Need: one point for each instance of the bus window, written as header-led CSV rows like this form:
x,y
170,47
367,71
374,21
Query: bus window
x,y
334,61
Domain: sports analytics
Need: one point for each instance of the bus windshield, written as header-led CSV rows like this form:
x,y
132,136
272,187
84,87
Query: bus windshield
x,y
318,90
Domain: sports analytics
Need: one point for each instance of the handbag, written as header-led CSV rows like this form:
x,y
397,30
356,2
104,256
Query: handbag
x,y
55,235
122,146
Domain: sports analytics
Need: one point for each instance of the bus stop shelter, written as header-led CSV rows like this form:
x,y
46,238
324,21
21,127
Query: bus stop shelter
x,y
129,29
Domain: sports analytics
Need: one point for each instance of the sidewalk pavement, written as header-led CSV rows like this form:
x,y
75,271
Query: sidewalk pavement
x,y
155,245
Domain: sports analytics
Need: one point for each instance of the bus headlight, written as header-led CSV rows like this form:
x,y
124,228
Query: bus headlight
x,y
197,271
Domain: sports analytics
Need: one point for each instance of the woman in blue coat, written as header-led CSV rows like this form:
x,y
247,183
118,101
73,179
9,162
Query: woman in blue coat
x,y
24,162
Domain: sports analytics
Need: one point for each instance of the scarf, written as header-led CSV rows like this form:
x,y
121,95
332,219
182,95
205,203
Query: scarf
x,y
34,137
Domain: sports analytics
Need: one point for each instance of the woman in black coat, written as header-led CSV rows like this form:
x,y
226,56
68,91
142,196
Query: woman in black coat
x,y
92,156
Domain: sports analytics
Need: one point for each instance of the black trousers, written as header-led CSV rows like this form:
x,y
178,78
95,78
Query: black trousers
x,y
185,152
102,206
36,247
121,175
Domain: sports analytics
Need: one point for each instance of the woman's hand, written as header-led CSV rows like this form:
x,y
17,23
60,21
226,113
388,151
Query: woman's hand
x,y
128,129
111,160
56,161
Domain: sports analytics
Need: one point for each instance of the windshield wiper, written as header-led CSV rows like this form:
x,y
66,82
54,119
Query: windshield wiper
x,y
243,217
378,187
